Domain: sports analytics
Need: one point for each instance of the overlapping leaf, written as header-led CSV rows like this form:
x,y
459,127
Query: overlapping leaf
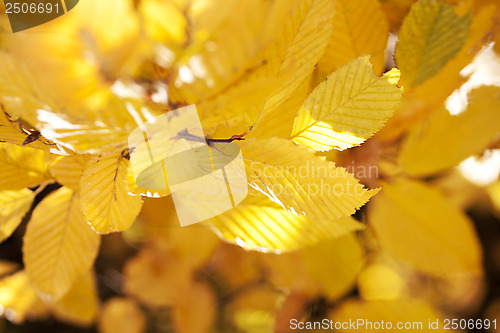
x,y
429,146
301,182
13,206
431,34
18,298
106,204
215,56
284,66
417,224
258,223
346,109
359,27
59,246
11,131
67,170
21,167
80,304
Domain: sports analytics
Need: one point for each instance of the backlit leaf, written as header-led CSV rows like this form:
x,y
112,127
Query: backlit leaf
x,y
301,182
12,132
285,64
80,304
21,167
67,170
429,146
59,246
18,298
106,204
359,27
328,268
346,109
417,223
258,223
430,36
13,206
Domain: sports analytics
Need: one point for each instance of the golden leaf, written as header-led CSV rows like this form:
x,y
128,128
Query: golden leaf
x,y
13,206
429,147
416,223
328,268
346,109
18,298
67,170
430,36
359,28
259,224
301,182
21,167
58,245
79,305
106,204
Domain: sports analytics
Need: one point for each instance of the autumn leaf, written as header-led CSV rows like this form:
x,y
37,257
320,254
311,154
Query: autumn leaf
x,y
301,182
359,28
22,167
427,149
417,224
430,36
13,206
258,223
106,204
59,246
349,107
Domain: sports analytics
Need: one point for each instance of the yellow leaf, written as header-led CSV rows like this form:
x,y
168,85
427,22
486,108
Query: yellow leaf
x,y
215,57
359,27
417,224
106,204
413,313
164,21
11,131
443,140
21,167
18,298
13,207
419,101
335,264
430,36
58,246
284,65
79,305
301,182
346,109
297,50
395,11
280,124
122,315
18,89
105,130
67,170
328,268
259,224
